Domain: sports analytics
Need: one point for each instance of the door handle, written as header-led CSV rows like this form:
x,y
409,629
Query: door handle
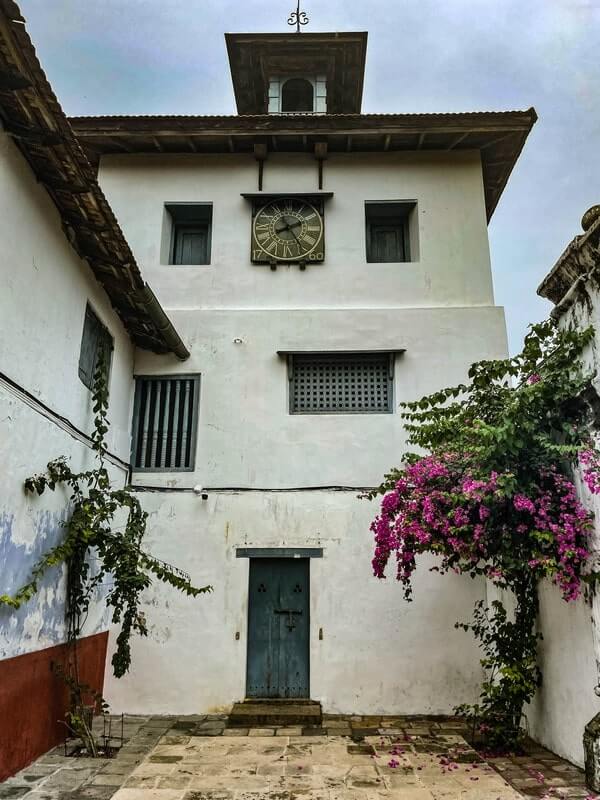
x,y
291,613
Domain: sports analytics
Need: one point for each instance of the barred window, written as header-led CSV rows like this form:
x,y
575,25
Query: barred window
x,y
164,423
341,383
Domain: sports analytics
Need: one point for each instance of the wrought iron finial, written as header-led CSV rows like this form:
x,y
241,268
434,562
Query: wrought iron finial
x,y
298,18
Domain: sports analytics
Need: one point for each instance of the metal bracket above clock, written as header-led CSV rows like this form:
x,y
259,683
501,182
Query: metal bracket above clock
x,y
261,198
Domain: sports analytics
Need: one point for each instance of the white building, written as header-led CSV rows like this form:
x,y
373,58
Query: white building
x,y
323,265
570,650
69,287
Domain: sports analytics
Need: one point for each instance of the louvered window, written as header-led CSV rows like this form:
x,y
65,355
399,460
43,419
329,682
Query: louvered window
x,y
341,383
96,343
164,423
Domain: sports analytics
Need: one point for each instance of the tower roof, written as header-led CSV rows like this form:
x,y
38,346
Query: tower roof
x,y
255,57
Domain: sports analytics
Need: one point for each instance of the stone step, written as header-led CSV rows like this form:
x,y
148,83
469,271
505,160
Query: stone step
x,y
275,713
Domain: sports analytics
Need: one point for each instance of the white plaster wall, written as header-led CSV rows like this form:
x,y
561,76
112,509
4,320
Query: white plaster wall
x,y
566,702
45,287
378,653
570,651
246,436
453,266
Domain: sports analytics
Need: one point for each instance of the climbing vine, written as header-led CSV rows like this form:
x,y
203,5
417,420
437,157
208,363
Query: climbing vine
x,y
102,550
494,497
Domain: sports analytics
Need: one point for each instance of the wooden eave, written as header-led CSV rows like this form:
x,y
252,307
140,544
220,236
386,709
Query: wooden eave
x,y
31,115
498,136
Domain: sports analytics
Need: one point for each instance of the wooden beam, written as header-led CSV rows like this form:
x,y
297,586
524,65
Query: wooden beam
x,y
320,155
29,133
58,185
321,150
457,140
86,225
13,81
497,140
120,144
260,154
499,163
260,151
242,130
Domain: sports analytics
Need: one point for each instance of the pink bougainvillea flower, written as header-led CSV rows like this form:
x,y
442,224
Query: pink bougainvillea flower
x,y
470,522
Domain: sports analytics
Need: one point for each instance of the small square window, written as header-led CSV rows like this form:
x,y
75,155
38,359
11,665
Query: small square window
x,y
165,417
191,225
388,231
95,341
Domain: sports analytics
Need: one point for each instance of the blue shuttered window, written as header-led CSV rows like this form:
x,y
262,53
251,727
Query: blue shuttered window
x,y
191,225
95,340
164,423
388,231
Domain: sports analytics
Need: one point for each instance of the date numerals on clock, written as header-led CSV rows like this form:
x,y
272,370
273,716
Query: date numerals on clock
x,y
288,230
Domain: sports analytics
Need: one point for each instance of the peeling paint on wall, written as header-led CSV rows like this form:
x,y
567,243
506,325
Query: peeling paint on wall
x,y
40,622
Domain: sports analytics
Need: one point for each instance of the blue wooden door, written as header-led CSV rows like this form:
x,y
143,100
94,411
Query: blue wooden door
x,y
278,628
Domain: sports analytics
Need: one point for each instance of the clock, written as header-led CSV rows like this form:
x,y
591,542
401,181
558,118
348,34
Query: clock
x,y
289,230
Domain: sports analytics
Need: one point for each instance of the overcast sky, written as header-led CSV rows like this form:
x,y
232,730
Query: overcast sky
x,y
168,56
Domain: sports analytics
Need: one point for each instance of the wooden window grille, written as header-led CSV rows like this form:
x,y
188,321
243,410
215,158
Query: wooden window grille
x,y
341,383
95,340
164,423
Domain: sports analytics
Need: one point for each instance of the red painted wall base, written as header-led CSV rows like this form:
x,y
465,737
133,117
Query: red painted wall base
x,y
33,699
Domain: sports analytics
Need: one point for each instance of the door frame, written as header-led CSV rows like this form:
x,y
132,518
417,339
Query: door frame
x,y
281,553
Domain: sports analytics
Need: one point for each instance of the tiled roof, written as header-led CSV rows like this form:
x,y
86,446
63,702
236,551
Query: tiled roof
x,y
580,259
32,116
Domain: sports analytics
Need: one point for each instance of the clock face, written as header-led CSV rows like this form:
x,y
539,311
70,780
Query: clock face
x,y
287,229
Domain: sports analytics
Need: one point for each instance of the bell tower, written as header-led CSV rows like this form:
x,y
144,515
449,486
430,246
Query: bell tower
x,y
287,73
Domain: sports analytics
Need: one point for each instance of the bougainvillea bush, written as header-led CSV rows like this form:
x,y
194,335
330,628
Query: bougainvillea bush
x,y
494,497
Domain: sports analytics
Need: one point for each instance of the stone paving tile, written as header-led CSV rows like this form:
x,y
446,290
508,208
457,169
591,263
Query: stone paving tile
x,y
306,768
350,758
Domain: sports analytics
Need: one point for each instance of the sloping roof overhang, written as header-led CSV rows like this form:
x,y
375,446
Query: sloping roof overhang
x,y
498,136
578,262
32,116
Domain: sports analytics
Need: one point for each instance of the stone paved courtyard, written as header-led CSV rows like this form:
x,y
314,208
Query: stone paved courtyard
x,y
349,758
